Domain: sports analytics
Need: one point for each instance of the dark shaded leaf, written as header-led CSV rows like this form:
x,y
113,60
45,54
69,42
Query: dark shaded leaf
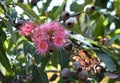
x,y
45,59
54,59
103,5
112,39
76,7
28,48
63,58
106,59
45,6
37,76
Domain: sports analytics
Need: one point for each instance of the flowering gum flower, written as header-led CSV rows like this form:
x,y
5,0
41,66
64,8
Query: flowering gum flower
x,y
26,29
48,36
59,41
42,47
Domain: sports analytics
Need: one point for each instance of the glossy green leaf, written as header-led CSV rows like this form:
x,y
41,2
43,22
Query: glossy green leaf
x,y
54,59
80,38
76,7
3,58
106,59
63,58
44,61
100,26
112,39
27,9
28,48
51,13
37,76
57,13
45,6
10,29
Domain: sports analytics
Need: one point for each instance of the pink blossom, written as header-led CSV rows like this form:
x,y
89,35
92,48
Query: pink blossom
x,y
42,47
59,41
26,29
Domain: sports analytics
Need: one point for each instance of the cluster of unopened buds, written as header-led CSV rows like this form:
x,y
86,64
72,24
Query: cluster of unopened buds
x,y
46,37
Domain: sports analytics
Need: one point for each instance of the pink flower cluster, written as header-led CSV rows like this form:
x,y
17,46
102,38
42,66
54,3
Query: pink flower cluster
x,y
47,36
27,29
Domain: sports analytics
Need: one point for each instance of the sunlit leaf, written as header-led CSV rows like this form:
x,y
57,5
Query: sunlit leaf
x,y
27,9
80,38
3,58
10,29
100,26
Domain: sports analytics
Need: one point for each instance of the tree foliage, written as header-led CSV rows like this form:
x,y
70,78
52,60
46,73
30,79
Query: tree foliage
x,y
93,41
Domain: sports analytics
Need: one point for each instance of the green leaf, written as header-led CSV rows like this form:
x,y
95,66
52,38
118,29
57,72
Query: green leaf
x,y
45,6
39,77
100,26
117,7
63,58
28,48
3,58
76,7
54,59
112,39
27,9
57,13
10,29
106,59
8,2
81,38
44,61
51,13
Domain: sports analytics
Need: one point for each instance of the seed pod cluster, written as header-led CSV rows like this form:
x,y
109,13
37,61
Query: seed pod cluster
x,y
78,73
65,16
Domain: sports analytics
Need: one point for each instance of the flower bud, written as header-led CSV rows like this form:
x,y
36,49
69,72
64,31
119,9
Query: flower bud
x,y
69,23
77,66
83,75
34,2
19,23
65,15
65,73
88,9
20,1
